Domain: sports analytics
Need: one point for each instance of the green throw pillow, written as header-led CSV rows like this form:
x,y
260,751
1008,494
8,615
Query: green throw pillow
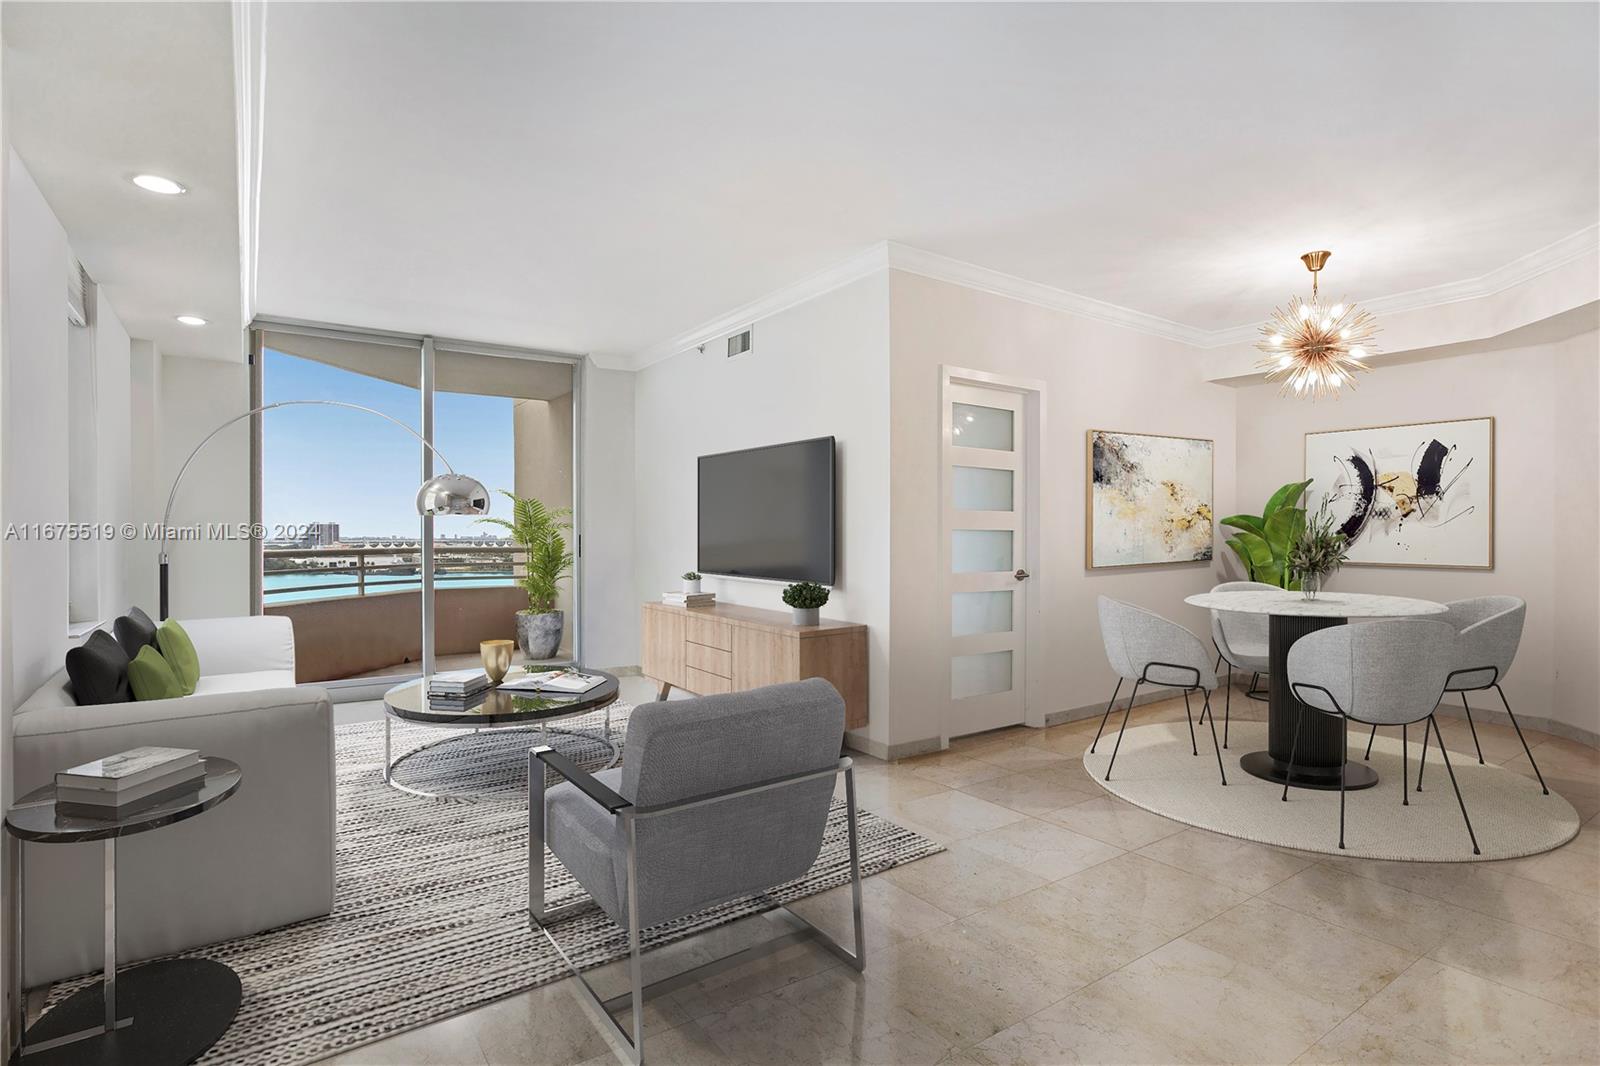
x,y
152,678
178,650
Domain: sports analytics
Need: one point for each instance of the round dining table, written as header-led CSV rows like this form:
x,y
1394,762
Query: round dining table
x,y
1322,736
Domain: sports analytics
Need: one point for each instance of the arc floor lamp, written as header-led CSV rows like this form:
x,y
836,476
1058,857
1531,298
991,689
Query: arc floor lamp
x,y
449,493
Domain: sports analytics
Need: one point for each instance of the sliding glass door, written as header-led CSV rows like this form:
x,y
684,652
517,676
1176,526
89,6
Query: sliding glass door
x,y
366,580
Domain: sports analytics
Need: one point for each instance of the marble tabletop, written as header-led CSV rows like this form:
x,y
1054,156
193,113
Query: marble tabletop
x,y
1326,605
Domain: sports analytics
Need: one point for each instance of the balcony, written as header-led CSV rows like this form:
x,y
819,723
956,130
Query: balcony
x,y
357,611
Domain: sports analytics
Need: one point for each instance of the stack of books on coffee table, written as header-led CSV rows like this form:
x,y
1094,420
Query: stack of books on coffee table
x,y
130,781
458,689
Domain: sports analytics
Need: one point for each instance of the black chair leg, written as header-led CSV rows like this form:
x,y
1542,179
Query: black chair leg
x,y
1405,800
1342,762
1294,747
1451,771
1227,706
1124,729
1422,764
1223,773
1103,717
1186,714
1368,756
1525,748
1472,726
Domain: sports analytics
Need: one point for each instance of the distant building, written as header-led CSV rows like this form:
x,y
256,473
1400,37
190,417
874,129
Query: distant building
x,y
321,535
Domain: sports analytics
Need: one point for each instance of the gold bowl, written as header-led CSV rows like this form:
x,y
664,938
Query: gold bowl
x,y
496,658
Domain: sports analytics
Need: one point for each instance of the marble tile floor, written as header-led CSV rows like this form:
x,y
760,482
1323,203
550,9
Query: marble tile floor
x,y
1063,925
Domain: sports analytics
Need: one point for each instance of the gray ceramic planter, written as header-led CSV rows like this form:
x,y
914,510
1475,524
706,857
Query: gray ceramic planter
x,y
540,634
807,616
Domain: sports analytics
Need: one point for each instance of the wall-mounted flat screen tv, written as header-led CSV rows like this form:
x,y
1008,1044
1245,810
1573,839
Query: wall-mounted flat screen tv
x,y
769,512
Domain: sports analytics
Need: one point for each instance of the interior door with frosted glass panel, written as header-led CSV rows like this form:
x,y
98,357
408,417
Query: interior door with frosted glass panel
x,y
985,527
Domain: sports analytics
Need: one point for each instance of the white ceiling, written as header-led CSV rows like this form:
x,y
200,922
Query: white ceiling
x,y
599,177
96,93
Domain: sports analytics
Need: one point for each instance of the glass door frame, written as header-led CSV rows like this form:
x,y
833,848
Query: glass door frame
x,y
426,345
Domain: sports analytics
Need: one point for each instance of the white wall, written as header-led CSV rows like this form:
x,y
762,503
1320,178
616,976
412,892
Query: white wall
x,y
1547,549
114,429
819,369
1096,376
34,457
610,619
148,491
210,577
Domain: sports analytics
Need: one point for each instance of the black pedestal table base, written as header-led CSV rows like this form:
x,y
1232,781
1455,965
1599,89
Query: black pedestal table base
x,y
1322,736
171,1013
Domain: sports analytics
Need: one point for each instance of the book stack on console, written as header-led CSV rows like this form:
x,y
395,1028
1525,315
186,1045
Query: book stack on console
x,y
130,781
689,599
458,689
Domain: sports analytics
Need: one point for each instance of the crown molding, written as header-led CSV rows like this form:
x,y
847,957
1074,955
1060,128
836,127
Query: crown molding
x,y
887,255
1525,268
863,264
971,276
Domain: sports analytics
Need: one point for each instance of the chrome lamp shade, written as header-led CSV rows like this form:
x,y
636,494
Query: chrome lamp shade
x,y
452,494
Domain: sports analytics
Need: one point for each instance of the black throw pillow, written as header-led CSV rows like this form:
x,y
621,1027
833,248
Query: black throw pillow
x,y
134,630
99,670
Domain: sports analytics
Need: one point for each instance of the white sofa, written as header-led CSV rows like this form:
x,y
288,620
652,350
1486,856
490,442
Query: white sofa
x,y
261,859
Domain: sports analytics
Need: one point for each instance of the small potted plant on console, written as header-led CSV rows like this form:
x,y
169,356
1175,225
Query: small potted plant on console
x,y
691,583
807,598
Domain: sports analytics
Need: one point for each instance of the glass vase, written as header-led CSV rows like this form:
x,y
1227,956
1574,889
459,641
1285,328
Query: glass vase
x,y
1310,585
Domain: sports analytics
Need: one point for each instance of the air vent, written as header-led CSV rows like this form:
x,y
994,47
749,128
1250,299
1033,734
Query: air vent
x,y
739,343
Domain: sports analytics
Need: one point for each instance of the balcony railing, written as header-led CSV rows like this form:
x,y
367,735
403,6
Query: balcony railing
x,y
376,570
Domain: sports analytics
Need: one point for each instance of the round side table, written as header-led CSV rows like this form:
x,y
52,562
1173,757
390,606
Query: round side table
x,y
169,1011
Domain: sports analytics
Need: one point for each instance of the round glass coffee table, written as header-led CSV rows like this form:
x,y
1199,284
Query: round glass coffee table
x,y
498,711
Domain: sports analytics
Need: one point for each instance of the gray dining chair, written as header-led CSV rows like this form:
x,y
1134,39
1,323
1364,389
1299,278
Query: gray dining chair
x,y
1488,631
717,799
1379,673
1146,649
1241,641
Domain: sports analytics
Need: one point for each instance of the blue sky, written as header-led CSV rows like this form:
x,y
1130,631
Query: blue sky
x,y
326,464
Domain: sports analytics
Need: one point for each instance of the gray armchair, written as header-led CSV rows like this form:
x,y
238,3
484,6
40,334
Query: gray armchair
x,y
1382,673
1146,649
717,799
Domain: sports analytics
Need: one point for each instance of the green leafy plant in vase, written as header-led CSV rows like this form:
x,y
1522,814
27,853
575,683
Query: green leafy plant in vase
x,y
1320,551
1264,541
807,598
541,532
691,582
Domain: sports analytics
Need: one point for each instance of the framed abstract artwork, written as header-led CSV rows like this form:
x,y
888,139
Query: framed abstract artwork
x,y
1150,500
1420,494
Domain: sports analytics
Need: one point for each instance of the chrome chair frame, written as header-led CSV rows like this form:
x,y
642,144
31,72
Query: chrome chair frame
x,y
631,1049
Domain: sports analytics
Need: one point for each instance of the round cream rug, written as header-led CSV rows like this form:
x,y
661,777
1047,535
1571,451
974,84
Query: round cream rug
x,y
1155,770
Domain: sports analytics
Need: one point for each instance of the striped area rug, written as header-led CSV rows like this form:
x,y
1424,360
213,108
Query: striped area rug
x,y
430,912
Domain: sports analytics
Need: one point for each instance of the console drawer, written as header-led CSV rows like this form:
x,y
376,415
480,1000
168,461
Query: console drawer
x,y
704,684
710,632
711,660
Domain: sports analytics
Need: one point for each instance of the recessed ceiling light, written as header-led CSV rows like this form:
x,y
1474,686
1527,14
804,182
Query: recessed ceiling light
x,y
156,183
191,320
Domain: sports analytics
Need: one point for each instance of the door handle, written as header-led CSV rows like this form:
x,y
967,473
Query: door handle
x,y
1021,575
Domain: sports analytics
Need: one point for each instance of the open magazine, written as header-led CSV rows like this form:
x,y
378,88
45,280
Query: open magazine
x,y
561,682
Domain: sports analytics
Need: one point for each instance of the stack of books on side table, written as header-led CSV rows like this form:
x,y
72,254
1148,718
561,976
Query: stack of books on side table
x,y
121,784
458,689
689,599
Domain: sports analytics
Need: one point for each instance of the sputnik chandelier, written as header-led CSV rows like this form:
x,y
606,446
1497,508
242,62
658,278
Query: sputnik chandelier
x,y
1316,349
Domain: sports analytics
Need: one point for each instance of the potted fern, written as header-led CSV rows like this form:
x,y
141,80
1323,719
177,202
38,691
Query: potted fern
x,y
807,598
1319,552
539,531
